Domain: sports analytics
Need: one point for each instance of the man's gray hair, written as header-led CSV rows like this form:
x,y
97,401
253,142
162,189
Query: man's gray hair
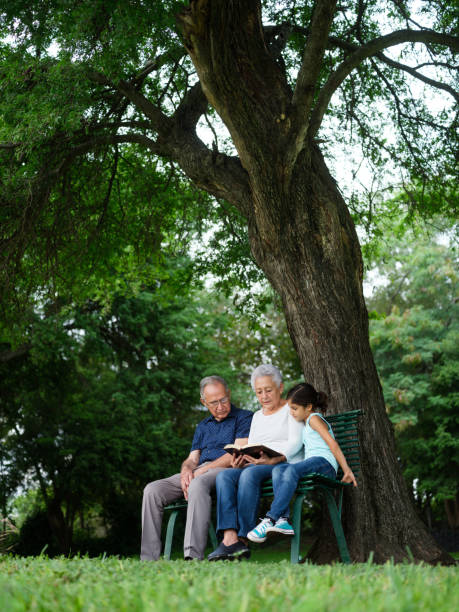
x,y
266,369
211,380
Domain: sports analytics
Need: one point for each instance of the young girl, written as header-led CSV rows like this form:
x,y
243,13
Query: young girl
x,y
322,455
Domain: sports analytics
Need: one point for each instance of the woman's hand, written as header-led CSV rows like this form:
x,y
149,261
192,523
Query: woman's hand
x,y
348,476
238,461
262,460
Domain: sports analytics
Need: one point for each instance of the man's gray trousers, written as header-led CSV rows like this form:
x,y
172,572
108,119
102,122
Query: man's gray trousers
x,y
160,493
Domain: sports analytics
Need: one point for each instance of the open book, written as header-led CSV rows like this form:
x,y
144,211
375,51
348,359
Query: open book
x,y
253,450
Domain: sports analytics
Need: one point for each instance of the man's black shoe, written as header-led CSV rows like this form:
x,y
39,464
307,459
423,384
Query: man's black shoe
x,y
234,551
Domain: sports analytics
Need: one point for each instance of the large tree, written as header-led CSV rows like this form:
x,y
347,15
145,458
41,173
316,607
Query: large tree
x,y
126,74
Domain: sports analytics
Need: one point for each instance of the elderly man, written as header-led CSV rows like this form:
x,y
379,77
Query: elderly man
x,y
225,425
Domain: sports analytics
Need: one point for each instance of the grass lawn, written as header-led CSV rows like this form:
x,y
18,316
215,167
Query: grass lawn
x,y
127,584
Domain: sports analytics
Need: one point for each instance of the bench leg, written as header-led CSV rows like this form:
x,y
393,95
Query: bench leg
x,y
337,526
170,534
212,536
296,524
340,501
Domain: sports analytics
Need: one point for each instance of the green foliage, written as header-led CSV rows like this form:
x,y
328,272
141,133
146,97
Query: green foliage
x,y
102,402
23,505
84,199
126,584
101,234
225,255
415,346
258,336
412,214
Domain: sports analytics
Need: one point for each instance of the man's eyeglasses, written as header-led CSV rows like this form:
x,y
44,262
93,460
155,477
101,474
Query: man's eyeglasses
x,y
224,401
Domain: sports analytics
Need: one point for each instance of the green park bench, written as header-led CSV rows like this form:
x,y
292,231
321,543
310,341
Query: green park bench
x,y
346,429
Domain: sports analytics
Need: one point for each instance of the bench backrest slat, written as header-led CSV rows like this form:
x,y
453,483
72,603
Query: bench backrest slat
x,y
345,428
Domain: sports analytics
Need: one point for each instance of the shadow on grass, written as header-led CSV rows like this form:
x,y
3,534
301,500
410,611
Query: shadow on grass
x,y
276,548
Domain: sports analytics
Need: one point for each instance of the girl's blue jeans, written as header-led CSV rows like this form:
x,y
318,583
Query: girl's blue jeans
x,y
238,496
285,479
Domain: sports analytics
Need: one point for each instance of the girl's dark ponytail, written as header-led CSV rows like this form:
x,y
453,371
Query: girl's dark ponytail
x,y
322,401
305,394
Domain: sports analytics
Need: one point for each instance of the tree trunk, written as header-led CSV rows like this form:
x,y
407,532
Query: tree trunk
x,y
303,238
59,527
314,263
452,511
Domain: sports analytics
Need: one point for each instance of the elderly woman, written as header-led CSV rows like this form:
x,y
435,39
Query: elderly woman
x,y
238,488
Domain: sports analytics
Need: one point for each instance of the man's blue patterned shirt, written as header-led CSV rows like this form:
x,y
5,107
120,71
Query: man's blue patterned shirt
x,y
211,435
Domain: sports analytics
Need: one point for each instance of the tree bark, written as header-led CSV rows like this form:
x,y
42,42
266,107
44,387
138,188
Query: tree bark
x,y
316,268
303,238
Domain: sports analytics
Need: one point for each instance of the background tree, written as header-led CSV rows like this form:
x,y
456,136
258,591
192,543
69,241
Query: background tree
x,y
102,403
120,77
414,335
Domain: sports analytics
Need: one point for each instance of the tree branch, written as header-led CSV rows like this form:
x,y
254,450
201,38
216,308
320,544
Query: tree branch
x,y
19,352
276,38
418,75
405,13
160,122
171,80
400,114
174,54
348,46
218,174
372,48
96,140
437,65
191,108
303,95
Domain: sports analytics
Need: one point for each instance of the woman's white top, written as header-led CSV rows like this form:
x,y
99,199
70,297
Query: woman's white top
x,y
278,431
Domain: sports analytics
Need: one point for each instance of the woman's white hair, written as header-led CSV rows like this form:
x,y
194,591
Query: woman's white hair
x,y
266,369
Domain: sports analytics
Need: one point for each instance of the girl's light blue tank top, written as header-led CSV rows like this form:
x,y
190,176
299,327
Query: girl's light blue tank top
x,y
315,445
